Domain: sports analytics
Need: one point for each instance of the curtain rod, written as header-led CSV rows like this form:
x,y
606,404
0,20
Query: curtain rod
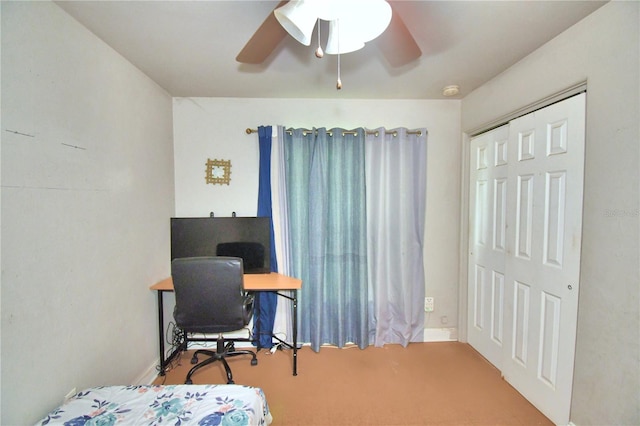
x,y
346,132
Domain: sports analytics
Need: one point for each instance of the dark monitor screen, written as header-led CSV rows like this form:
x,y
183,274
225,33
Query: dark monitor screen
x,y
200,236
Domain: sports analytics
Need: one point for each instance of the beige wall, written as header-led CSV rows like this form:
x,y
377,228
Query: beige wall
x,y
87,192
602,50
215,128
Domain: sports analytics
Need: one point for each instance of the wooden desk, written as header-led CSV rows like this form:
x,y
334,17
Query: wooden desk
x,y
252,282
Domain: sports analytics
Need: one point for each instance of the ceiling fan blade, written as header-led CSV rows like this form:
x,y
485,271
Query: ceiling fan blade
x,y
264,40
397,44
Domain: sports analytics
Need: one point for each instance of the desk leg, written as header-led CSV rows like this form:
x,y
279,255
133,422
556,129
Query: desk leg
x,y
161,332
256,319
295,332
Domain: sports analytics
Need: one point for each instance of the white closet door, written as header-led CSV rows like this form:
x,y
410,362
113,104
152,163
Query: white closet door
x,y
525,224
544,233
487,242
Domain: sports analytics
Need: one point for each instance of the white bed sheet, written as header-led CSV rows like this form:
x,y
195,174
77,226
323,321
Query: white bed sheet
x,y
180,405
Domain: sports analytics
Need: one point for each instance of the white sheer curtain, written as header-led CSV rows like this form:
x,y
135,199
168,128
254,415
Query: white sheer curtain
x,y
396,200
283,326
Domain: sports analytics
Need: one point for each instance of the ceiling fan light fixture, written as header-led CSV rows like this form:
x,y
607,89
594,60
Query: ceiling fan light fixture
x,y
359,20
342,39
356,22
298,18
370,18
352,23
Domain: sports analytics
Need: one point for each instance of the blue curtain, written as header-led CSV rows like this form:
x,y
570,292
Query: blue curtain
x,y
267,300
325,185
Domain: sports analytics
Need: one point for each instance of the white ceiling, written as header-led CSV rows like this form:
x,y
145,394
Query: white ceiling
x,y
189,47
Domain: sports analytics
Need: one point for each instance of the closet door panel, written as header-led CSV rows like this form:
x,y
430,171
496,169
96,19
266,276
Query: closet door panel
x,y
487,242
544,193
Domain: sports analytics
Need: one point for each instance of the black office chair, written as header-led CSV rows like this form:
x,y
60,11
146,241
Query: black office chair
x,y
210,299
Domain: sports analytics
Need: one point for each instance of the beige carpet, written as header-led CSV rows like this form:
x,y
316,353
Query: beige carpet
x,y
445,383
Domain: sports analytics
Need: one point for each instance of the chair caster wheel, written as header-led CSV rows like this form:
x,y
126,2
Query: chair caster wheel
x,y
194,360
254,362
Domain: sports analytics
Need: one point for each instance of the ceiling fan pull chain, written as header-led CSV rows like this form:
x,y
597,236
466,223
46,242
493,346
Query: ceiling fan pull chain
x,y
319,52
339,82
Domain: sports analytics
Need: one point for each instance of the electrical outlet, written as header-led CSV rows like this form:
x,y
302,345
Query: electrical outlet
x,y
428,304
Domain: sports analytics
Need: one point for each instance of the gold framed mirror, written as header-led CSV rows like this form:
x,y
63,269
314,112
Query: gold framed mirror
x,y
218,172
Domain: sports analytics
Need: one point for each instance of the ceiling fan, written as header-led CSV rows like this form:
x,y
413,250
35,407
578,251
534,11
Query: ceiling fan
x,y
396,43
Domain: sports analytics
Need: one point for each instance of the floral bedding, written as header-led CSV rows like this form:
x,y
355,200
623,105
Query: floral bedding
x,y
179,405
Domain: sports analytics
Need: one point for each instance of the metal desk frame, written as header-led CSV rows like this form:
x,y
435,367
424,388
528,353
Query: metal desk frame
x,y
252,282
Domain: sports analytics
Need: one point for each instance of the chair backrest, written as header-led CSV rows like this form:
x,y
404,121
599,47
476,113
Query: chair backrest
x,y
209,294
252,254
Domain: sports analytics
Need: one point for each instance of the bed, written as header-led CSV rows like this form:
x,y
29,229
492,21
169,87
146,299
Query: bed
x,y
206,405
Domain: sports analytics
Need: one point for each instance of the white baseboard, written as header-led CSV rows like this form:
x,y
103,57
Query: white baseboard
x,y
440,334
149,375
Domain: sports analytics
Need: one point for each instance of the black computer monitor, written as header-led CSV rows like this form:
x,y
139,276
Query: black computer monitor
x,y
201,236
